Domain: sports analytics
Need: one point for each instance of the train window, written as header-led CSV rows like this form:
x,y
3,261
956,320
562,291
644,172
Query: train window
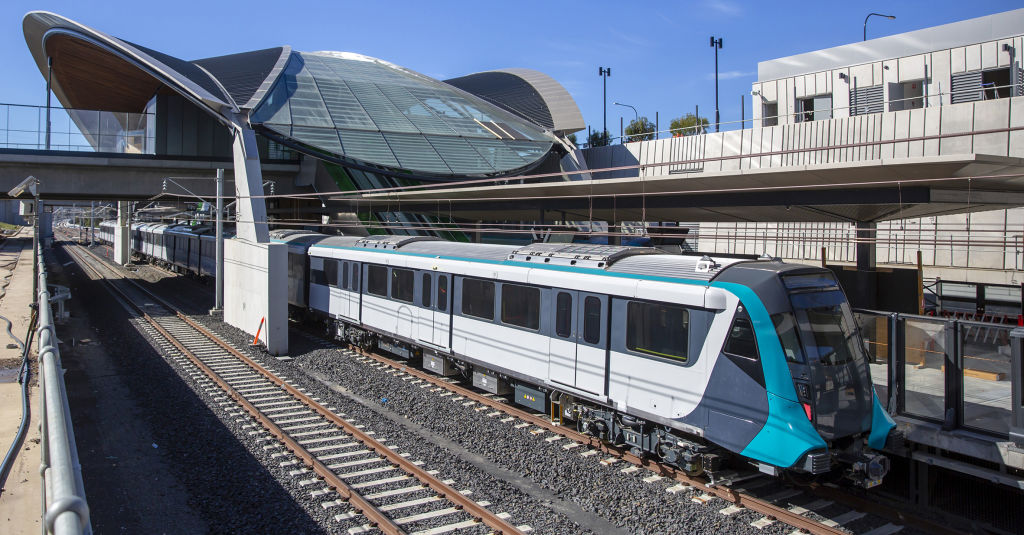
x,y
331,272
659,330
377,280
785,327
478,298
442,293
402,282
591,320
344,275
317,277
741,340
427,291
520,305
355,277
563,314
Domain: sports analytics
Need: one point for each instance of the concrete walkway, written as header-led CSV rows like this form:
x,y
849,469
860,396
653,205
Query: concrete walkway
x,y
20,505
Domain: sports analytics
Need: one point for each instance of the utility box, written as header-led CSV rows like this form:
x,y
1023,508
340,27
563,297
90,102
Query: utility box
x,y
27,208
488,382
439,365
531,398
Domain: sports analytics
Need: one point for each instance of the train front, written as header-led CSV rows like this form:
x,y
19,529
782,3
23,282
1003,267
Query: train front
x,y
826,415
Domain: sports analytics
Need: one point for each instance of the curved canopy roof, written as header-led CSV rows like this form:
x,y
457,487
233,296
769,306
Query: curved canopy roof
x,y
373,111
528,93
337,105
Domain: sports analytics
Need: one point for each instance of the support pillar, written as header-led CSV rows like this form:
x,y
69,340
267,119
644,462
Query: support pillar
x,y
866,232
255,270
122,235
218,300
864,293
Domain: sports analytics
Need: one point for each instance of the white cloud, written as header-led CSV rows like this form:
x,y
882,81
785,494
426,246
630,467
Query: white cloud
x,y
725,7
729,75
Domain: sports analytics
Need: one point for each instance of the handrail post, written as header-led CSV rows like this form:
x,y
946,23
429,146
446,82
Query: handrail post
x,y
1017,386
954,376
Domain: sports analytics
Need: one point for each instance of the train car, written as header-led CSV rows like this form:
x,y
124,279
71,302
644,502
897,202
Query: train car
x,y
298,242
106,233
688,358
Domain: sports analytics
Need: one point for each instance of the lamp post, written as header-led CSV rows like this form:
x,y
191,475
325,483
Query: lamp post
x,y
604,73
890,17
716,44
636,116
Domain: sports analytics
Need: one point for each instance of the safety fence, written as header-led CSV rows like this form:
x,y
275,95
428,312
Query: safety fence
x,y
65,511
954,372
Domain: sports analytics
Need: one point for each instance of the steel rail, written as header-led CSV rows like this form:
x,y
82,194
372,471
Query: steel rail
x,y
370,511
750,502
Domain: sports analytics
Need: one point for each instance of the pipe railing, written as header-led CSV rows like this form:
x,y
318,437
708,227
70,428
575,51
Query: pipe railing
x,y
65,511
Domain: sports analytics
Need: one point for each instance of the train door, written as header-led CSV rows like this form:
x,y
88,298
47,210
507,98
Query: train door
x,y
442,311
562,345
591,341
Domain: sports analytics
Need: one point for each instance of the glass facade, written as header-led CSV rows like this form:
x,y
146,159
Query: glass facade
x,y
375,112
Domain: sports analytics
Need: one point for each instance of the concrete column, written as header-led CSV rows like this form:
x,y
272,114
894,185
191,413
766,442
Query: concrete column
x,y
866,232
122,235
251,208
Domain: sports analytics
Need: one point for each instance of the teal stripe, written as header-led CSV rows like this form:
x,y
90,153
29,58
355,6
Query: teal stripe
x,y
881,423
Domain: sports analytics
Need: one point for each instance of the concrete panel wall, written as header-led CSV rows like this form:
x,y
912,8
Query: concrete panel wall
x,y
255,288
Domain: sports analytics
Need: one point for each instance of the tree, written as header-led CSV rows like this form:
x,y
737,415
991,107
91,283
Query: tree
x,y
572,139
688,125
640,129
598,139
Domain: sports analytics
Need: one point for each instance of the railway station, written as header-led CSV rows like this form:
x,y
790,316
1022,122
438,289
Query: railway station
x,y
315,291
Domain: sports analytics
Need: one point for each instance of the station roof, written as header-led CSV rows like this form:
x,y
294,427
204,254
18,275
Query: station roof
x,y
337,105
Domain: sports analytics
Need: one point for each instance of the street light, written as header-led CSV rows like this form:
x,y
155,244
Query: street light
x,y
716,44
604,73
890,17
636,116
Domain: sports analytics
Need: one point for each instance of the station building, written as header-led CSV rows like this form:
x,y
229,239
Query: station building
x,y
955,77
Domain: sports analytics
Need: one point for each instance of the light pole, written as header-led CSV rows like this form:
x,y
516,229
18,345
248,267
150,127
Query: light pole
x,y
716,44
890,17
604,73
636,116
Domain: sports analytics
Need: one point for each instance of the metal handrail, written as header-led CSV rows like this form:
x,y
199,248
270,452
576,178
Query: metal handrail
x,y
65,511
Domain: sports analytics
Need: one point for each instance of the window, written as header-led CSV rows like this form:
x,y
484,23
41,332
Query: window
x,y
785,328
520,305
770,113
331,271
344,276
426,290
478,298
591,320
660,330
402,282
740,341
907,95
355,277
442,293
316,276
563,314
377,280
814,108
981,85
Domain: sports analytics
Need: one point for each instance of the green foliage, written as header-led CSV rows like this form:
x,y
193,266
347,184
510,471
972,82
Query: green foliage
x,y
641,129
598,139
685,125
572,139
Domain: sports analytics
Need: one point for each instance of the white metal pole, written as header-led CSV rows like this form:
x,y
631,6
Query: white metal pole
x,y
219,299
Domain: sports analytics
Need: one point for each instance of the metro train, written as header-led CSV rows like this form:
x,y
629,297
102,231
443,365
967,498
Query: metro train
x,y
695,360
182,248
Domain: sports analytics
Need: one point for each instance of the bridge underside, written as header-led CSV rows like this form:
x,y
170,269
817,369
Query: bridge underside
x,y
867,191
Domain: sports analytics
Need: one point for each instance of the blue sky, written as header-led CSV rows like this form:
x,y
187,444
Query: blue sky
x,y
658,51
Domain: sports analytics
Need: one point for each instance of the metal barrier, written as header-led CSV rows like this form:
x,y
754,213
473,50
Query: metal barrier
x,y
65,511
957,373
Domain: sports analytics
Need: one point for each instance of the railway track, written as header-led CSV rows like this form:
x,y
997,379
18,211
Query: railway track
x,y
388,491
757,494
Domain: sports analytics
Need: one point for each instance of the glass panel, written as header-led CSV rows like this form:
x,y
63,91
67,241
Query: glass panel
x,y
355,277
377,280
331,272
563,315
459,155
344,276
925,356
414,152
785,327
987,376
387,117
874,329
442,293
325,139
478,298
402,282
660,330
591,320
741,338
427,291
520,305
367,146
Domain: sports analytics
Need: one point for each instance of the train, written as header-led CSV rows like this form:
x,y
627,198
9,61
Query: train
x,y
700,362
180,247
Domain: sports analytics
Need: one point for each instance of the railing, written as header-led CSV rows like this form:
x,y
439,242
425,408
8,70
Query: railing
x,y
956,373
65,511
24,127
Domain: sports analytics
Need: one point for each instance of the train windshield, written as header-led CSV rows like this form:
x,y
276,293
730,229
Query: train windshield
x,y
828,328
